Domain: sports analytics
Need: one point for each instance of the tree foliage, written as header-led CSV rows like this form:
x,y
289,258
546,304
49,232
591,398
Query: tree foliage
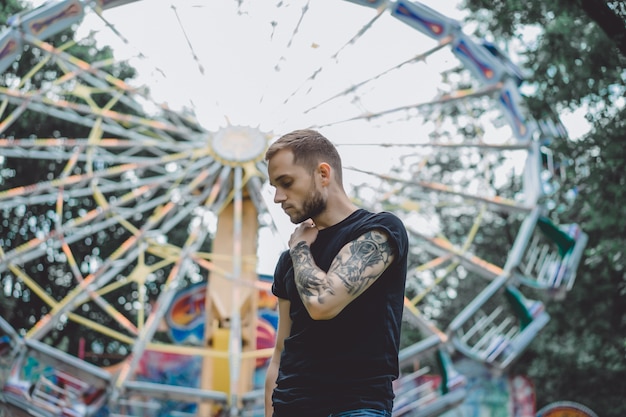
x,y
20,223
576,59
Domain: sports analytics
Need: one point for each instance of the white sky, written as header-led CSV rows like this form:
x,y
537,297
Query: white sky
x,y
219,58
207,56
214,30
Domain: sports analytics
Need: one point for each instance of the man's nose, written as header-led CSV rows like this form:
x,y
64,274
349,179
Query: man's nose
x,y
279,196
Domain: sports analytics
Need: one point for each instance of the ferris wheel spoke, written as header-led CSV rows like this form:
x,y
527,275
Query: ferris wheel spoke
x,y
442,248
311,78
353,88
93,295
85,115
101,84
81,179
496,202
179,269
145,200
83,69
61,306
458,95
423,142
47,148
74,237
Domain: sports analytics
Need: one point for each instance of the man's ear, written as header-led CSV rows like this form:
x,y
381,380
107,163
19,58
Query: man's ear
x,y
325,172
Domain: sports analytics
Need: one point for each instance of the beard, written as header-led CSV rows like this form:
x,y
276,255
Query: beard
x,y
312,207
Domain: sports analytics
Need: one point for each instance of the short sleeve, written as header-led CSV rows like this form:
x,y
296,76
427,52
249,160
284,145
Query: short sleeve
x,y
397,232
392,226
279,288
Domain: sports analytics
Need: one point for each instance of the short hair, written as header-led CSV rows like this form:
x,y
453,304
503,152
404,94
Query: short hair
x,y
309,148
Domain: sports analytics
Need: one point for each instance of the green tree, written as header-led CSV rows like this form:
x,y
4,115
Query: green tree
x,y
22,222
577,60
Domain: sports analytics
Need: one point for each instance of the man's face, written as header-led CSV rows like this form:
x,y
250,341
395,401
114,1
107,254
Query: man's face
x,y
296,189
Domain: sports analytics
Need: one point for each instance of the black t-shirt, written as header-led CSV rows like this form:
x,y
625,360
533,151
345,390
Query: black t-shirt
x,y
350,361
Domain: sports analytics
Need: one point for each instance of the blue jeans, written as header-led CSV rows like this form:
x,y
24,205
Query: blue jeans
x,y
363,412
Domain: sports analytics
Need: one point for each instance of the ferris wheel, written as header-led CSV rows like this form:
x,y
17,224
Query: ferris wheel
x,y
134,243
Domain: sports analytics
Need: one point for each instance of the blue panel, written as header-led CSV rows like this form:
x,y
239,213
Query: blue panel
x,y
552,129
510,100
10,48
479,60
108,4
52,18
510,67
370,3
424,19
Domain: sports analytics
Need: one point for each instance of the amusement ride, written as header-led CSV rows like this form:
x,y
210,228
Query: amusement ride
x,y
130,248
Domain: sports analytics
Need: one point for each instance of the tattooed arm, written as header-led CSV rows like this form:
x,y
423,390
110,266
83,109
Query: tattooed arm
x,y
357,265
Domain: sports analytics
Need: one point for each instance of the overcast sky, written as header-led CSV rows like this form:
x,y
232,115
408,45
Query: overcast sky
x,y
255,64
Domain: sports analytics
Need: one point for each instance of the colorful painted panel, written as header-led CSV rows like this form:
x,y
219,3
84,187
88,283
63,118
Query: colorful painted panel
x,y
424,19
52,18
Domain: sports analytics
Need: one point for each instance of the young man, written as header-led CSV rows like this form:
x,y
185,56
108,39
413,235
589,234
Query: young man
x,y
340,290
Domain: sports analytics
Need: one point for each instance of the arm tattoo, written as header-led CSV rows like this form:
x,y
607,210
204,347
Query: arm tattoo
x,y
355,270
310,280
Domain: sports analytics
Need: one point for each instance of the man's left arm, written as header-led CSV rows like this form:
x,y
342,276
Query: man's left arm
x,y
355,268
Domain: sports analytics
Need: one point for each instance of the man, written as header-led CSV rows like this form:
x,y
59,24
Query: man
x,y
340,290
